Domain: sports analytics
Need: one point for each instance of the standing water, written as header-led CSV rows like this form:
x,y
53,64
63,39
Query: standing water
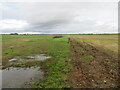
x,y
21,77
40,57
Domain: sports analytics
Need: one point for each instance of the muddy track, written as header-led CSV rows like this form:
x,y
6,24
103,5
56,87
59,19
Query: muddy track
x,y
100,72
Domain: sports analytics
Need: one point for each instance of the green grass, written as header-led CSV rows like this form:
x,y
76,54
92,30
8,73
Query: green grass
x,y
87,58
58,67
22,45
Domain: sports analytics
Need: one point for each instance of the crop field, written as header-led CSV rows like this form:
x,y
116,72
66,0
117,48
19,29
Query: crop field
x,y
76,61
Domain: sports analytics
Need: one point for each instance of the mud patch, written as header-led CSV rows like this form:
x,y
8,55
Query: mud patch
x,y
20,77
57,36
100,72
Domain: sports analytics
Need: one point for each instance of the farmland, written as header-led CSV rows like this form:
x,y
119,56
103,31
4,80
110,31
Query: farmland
x,y
77,61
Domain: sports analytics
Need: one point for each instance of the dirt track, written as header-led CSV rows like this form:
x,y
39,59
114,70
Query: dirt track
x,y
100,72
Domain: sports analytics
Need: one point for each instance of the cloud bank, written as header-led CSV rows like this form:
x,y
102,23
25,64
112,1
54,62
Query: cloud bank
x,y
56,18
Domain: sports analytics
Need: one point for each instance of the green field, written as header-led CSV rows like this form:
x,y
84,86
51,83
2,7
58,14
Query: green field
x,y
68,53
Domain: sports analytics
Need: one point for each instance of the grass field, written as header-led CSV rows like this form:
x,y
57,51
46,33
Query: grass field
x,y
78,61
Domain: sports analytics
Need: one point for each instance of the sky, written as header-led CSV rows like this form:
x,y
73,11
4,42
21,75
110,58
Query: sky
x,y
58,17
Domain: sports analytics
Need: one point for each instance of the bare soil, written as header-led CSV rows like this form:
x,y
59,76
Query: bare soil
x,y
57,36
100,72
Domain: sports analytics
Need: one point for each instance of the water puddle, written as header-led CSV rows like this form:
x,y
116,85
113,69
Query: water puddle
x,y
16,59
20,77
17,77
39,57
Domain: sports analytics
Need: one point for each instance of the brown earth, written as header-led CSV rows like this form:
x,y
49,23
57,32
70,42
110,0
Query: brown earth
x,y
100,72
57,36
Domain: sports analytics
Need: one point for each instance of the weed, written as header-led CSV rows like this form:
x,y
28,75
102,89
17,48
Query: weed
x,y
87,58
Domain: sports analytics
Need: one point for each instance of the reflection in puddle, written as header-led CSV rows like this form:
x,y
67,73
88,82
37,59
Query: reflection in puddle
x,y
18,77
40,57
16,59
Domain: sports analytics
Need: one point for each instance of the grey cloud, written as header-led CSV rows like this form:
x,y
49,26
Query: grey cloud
x,y
61,17
50,24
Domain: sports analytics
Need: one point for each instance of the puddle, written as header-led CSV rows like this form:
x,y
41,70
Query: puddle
x,y
14,77
20,77
39,57
16,59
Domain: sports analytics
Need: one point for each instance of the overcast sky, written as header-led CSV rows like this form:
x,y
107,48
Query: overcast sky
x,y
59,17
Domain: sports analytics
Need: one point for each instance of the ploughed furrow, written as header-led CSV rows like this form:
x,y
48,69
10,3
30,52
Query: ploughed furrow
x,y
94,68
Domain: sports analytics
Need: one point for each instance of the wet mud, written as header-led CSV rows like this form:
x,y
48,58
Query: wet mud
x,y
100,72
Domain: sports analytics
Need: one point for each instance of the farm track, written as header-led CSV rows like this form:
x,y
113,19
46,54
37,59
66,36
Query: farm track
x,y
101,72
